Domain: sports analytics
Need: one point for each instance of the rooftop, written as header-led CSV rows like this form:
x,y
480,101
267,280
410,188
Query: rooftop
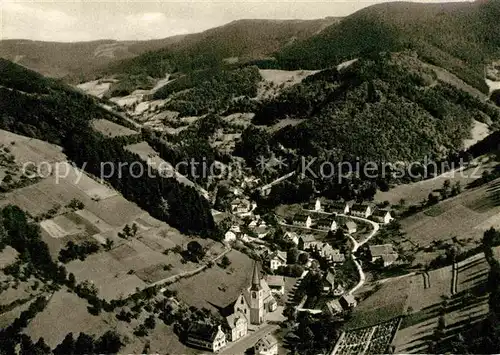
x,y
203,331
266,342
382,249
275,280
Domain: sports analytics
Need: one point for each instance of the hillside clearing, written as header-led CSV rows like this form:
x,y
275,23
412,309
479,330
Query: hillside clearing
x,y
111,129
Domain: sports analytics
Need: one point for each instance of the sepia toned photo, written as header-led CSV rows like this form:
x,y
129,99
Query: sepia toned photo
x,y
241,177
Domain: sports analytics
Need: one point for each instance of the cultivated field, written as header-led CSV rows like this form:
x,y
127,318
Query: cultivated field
x,y
95,88
111,129
465,216
130,263
433,296
418,300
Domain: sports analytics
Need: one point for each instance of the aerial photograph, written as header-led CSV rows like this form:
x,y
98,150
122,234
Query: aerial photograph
x,y
233,177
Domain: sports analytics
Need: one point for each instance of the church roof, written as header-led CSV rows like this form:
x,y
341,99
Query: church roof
x,y
256,277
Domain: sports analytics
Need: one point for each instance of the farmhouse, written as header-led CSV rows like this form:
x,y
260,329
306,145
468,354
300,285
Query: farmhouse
x,y
267,345
237,326
206,336
332,255
327,224
348,301
350,227
277,259
256,301
361,210
385,252
337,207
306,241
382,216
276,284
302,220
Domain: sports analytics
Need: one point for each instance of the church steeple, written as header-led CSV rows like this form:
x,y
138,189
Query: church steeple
x,y
256,278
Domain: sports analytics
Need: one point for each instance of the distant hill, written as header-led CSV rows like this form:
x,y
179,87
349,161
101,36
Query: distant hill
x,y
238,41
75,61
80,61
460,37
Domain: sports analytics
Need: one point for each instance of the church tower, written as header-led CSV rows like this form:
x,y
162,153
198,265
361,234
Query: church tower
x,y
256,298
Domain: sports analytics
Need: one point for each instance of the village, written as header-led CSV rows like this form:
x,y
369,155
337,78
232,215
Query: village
x,y
314,241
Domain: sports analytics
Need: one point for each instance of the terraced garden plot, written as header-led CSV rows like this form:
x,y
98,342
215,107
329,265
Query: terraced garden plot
x,y
368,340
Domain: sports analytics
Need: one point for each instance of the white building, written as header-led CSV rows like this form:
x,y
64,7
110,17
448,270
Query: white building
x,y
267,345
302,220
277,259
237,326
206,336
382,216
361,210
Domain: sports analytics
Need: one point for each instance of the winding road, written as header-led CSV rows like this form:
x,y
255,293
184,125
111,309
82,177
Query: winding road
x,y
357,245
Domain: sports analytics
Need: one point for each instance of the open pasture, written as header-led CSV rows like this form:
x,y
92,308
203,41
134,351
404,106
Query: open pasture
x,y
416,192
66,313
111,129
216,287
31,150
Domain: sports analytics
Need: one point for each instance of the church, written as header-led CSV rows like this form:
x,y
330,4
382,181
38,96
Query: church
x,y
251,306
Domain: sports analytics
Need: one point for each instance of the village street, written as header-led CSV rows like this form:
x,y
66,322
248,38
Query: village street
x,y
239,347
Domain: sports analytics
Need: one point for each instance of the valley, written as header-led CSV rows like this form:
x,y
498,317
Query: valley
x,y
272,187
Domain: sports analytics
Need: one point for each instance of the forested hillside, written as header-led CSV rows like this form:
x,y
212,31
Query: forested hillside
x,y
41,108
382,108
461,37
238,41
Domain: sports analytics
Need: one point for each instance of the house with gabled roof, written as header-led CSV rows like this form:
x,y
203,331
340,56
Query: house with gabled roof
x,y
206,336
236,326
277,259
341,207
326,224
361,210
350,226
382,216
276,283
306,241
292,236
302,220
329,282
268,345
240,205
386,252
348,301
